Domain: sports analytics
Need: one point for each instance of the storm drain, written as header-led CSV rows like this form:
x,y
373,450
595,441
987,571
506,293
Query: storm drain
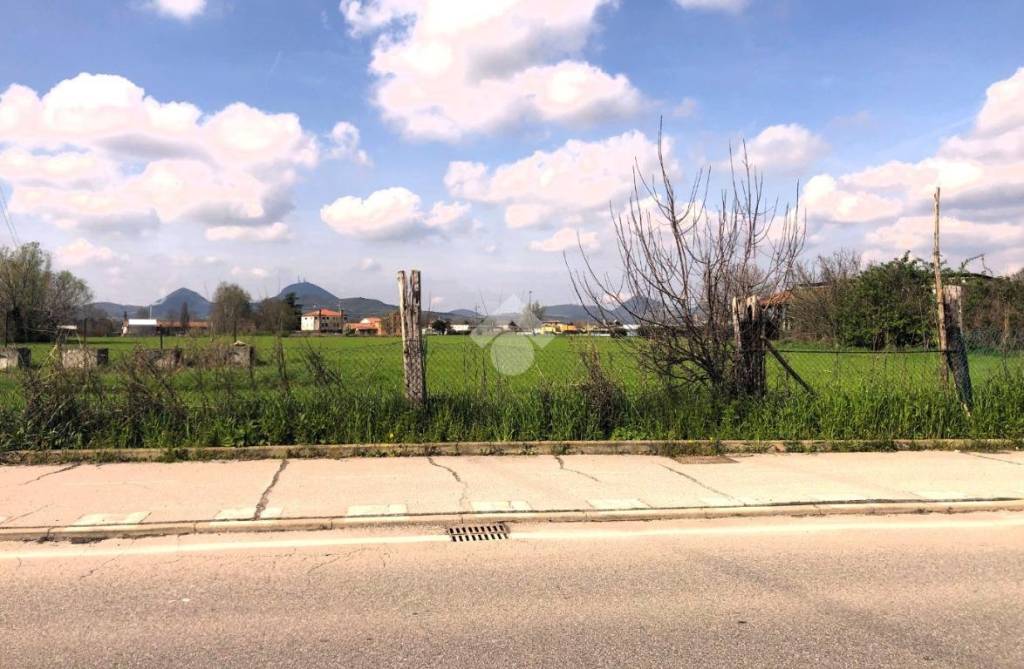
x,y
493,532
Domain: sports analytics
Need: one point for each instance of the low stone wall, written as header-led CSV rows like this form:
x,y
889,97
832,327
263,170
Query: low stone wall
x,y
241,355
14,358
84,358
171,358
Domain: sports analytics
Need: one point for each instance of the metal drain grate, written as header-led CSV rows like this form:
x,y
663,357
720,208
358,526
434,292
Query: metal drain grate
x,y
493,532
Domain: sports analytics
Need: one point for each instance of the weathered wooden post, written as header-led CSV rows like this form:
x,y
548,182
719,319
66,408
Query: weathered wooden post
x,y
940,301
956,348
412,343
748,333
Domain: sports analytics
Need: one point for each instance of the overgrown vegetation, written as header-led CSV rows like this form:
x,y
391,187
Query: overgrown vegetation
x,y
347,390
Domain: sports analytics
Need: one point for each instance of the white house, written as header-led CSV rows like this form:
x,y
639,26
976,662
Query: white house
x,y
323,320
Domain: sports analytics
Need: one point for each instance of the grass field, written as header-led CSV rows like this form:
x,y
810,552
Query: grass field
x,y
348,389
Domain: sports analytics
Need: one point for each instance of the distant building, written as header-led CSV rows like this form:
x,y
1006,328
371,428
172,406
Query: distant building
x,y
323,320
369,326
145,327
460,328
557,327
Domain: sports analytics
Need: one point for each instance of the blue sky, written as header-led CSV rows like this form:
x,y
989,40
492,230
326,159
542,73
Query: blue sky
x,y
475,141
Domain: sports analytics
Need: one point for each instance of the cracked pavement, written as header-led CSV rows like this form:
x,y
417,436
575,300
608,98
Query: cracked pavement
x,y
57,496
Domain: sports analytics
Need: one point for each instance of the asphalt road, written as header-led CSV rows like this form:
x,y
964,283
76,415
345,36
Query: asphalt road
x,y
930,591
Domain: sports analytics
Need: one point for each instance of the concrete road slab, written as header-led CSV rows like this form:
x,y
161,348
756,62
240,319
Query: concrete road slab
x,y
15,476
500,506
907,474
165,491
119,519
550,483
330,487
617,504
360,510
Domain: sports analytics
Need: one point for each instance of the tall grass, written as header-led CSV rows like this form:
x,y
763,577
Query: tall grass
x,y
304,395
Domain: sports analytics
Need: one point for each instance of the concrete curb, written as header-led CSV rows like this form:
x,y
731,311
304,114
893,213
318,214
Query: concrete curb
x,y
794,510
671,448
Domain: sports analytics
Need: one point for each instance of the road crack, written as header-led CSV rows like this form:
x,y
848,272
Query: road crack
x,y
701,484
463,499
989,457
58,471
97,568
561,465
261,506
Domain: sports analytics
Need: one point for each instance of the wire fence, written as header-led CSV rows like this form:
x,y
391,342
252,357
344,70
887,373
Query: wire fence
x,y
509,362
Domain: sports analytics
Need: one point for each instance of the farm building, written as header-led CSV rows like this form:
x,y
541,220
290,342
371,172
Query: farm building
x,y
557,327
142,327
323,320
367,326
460,328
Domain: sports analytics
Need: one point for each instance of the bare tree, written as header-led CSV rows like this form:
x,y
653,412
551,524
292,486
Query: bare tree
x,y
682,261
815,308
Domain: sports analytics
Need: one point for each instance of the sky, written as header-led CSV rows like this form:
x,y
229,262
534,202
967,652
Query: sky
x,y
154,144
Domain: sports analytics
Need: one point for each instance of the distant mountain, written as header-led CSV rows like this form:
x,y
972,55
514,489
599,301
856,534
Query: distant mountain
x,y
310,296
466,313
169,308
115,310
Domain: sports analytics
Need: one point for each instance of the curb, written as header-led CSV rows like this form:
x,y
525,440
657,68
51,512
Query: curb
x,y
792,510
671,448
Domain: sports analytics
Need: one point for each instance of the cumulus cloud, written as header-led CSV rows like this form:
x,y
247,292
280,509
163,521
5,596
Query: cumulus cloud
x,y
250,272
344,141
83,252
274,232
787,148
981,173
448,69
686,108
369,265
573,183
733,6
389,214
566,238
96,151
182,10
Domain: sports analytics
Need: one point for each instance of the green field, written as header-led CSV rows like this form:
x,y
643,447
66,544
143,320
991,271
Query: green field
x,y
348,389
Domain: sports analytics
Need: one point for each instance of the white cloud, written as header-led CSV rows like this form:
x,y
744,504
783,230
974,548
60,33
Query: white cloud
x,y
389,214
981,173
436,301
183,10
446,215
686,108
448,69
345,144
566,238
96,151
573,183
369,265
788,148
734,6
83,252
823,196
274,232
251,272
